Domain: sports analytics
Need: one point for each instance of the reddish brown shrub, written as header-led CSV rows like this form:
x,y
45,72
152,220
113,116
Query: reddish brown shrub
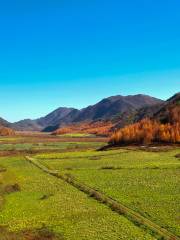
x,y
4,131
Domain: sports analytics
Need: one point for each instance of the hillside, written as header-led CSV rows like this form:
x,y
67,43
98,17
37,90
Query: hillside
x,y
133,116
4,123
163,125
26,125
161,112
101,128
170,111
55,117
50,121
116,105
110,108
120,110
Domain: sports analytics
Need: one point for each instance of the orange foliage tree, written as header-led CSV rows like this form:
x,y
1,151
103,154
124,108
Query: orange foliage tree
x,y
4,131
97,128
147,131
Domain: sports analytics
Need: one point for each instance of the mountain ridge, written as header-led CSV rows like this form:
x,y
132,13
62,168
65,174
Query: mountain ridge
x,y
159,112
106,109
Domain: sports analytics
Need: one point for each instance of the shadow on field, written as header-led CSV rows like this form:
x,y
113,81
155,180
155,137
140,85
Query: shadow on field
x,y
177,155
38,234
136,147
10,188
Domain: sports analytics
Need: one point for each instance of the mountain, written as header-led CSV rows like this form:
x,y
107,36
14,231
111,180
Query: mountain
x,y
49,121
116,105
170,110
160,125
135,115
54,120
55,117
26,125
162,112
4,123
120,110
107,109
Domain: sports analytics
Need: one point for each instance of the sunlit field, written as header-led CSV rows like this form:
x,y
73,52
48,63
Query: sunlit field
x,y
32,200
144,181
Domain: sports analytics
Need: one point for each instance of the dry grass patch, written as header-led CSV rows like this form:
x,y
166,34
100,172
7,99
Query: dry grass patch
x,y
10,188
37,234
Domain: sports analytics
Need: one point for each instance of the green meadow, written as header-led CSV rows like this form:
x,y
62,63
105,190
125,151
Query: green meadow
x,y
31,199
49,146
147,182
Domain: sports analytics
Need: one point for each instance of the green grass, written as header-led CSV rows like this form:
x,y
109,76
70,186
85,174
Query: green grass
x,y
115,158
49,146
76,135
10,139
147,182
47,201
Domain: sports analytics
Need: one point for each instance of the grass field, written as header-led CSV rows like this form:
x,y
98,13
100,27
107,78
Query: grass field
x,y
147,182
31,200
44,201
76,135
49,146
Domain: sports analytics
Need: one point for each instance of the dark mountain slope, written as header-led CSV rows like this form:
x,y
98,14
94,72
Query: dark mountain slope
x,y
109,107
132,116
55,117
52,119
162,112
26,125
170,111
119,110
4,123
68,119
160,125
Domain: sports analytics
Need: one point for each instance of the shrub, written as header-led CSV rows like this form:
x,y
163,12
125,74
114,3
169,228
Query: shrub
x,y
4,131
12,188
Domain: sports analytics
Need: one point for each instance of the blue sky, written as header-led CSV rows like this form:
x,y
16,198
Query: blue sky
x,y
74,53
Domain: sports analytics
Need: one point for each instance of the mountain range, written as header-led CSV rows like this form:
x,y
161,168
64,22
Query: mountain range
x,y
120,109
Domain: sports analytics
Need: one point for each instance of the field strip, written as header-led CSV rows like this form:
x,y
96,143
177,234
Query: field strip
x,y
77,157
111,203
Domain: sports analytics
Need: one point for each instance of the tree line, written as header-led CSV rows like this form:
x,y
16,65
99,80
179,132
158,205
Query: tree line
x,y
147,131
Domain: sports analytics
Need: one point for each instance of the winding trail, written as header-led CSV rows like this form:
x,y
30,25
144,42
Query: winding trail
x,y
119,208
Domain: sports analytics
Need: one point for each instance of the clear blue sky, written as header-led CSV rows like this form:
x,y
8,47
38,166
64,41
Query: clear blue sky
x,y
74,52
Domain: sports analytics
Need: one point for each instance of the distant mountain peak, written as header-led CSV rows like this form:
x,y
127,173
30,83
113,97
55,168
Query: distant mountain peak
x,y
106,109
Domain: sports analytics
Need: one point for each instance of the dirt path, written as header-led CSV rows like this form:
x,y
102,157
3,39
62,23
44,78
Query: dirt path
x,y
111,203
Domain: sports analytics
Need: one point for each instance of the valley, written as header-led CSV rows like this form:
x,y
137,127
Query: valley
x,y
89,120
35,204
113,173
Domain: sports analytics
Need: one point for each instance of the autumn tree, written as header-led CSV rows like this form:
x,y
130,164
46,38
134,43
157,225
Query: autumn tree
x,y
147,131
